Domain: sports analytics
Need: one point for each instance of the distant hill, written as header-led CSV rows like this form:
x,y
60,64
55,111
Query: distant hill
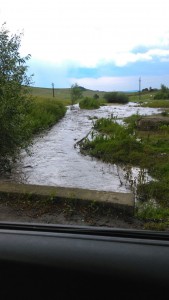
x,y
62,93
82,88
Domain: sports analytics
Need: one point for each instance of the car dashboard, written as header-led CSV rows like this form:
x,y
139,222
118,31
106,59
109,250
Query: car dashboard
x,y
71,262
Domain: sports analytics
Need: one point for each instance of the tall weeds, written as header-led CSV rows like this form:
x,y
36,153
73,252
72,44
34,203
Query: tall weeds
x,y
89,103
127,146
44,114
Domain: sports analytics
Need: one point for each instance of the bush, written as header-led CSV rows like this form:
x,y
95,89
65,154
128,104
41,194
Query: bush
x,y
44,114
114,143
96,96
163,93
89,103
116,97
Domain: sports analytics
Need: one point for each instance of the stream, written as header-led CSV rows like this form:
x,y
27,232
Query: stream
x,y
55,160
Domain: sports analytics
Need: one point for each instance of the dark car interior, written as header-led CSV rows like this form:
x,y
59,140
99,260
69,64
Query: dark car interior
x,y
69,262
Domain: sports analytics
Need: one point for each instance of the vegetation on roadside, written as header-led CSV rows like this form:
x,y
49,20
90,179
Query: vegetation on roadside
x,y
45,113
20,114
15,99
128,146
155,216
89,103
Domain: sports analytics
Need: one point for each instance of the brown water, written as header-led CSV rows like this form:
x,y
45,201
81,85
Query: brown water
x,y
56,161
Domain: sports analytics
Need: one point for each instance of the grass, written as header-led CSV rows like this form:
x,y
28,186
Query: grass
x,y
89,103
143,97
114,144
152,212
154,216
45,113
128,146
63,95
146,99
157,104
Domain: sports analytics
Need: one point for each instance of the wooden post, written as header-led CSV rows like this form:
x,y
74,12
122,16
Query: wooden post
x,y
53,88
140,88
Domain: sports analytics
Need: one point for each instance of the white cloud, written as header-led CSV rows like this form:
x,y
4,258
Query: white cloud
x,y
160,53
107,83
124,83
123,58
88,32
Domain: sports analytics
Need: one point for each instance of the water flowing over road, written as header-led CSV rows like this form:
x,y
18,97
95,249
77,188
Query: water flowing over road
x,y
55,160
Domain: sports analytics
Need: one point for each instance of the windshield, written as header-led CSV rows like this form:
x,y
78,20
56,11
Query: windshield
x,y
84,113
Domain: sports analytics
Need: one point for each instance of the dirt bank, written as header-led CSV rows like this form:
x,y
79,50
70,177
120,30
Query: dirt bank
x,y
64,214
152,123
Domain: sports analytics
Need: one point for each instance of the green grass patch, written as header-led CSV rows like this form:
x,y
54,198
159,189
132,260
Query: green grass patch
x,y
63,94
143,97
89,103
157,104
155,217
114,143
45,112
152,99
132,121
152,212
127,146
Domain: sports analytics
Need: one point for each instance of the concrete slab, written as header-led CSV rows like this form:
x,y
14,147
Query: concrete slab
x,y
122,201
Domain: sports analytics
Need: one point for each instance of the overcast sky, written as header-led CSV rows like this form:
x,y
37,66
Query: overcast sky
x,y
100,44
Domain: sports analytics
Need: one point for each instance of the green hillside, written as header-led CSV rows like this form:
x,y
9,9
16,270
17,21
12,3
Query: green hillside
x,y
61,94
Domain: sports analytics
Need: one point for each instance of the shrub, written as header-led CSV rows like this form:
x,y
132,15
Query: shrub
x,y
96,96
89,103
114,143
116,97
44,114
163,93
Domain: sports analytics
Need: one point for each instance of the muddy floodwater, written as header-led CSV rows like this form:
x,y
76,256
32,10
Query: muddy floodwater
x,y
56,160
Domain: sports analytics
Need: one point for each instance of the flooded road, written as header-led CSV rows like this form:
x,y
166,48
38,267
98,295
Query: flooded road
x,y
56,161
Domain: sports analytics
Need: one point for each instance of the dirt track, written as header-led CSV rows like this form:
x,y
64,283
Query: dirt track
x,y
51,205
12,212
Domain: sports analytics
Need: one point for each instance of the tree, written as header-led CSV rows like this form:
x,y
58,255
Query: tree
x,y
76,93
15,100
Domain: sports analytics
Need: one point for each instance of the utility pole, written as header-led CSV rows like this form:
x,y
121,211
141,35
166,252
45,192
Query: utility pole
x,y
53,88
139,88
